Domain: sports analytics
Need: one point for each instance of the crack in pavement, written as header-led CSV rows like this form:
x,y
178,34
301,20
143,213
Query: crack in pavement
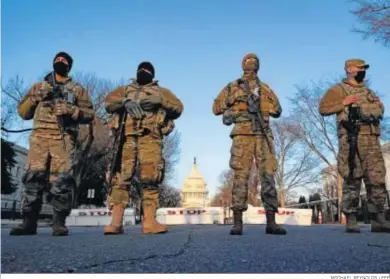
x,y
181,251
377,245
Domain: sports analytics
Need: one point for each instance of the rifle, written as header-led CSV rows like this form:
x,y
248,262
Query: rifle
x,y
58,96
253,102
116,145
353,131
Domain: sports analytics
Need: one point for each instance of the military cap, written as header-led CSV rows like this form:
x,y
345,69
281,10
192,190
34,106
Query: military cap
x,y
356,63
249,56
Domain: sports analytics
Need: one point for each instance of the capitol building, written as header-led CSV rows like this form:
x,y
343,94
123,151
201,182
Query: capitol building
x,y
194,192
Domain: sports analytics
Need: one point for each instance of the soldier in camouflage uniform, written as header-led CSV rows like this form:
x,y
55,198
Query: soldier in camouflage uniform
x,y
50,158
368,164
249,144
150,111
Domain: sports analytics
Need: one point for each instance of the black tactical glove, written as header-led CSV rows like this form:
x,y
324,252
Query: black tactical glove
x,y
133,109
151,103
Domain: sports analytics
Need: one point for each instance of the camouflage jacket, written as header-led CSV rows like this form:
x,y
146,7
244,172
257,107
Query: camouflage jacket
x,y
159,122
45,122
231,100
332,103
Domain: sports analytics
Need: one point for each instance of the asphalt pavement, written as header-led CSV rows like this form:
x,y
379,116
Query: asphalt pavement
x,y
198,249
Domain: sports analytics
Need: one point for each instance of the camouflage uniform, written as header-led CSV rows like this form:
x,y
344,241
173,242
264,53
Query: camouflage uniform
x,y
49,165
141,147
248,145
368,162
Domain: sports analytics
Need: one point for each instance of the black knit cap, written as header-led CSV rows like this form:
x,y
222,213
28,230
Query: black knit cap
x,y
147,66
66,56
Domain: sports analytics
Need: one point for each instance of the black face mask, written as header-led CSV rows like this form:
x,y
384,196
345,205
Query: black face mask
x,y
61,69
144,77
360,76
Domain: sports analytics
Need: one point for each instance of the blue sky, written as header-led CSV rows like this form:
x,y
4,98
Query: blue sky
x,y
196,47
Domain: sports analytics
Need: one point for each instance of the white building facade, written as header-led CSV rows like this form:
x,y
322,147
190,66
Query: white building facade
x,y
194,192
17,173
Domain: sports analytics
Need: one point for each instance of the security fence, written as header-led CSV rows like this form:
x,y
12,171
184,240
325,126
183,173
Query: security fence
x,y
328,209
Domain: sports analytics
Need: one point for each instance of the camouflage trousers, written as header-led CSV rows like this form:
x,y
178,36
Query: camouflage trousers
x,y
48,169
244,151
369,167
140,157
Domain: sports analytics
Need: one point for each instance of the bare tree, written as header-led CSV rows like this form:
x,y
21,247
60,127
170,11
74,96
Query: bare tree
x,y
373,17
329,179
171,154
223,196
97,88
317,132
11,94
298,165
169,196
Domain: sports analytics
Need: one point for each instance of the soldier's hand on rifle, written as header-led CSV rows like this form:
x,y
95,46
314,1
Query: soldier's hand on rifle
x,y
133,109
351,100
152,102
62,109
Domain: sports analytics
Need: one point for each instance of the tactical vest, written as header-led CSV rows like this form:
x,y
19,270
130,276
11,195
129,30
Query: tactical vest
x,y
238,112
370,113
44,116
155,122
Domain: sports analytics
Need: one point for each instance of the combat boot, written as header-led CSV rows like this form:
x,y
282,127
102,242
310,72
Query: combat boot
x,y
352,225
379,223
116,226
28,227
59,228
149,222
237,223
272,227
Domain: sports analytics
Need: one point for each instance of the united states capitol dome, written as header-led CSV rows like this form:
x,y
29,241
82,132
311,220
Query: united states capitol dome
x,y
194,192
